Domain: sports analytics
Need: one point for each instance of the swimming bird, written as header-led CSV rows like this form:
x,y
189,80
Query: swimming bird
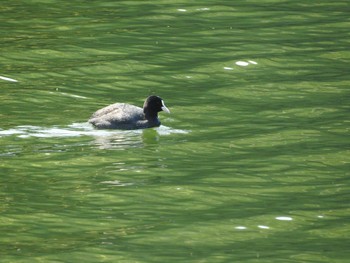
x,y
129,117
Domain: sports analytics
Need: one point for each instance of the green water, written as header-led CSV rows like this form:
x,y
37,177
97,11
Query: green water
x,y
251,166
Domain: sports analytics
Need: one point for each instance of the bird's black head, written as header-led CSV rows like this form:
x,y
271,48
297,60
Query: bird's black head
x,y
153,105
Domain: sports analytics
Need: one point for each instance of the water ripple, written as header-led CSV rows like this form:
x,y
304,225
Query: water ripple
x,y
77,129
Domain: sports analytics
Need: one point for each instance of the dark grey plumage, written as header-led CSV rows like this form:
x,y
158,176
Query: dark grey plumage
x,y
128,117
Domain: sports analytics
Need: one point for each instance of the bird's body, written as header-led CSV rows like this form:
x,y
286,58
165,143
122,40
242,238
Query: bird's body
x,y
128,117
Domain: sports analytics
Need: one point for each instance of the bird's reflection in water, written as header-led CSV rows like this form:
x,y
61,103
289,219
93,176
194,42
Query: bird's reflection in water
x,y
124,139
127,139
150,137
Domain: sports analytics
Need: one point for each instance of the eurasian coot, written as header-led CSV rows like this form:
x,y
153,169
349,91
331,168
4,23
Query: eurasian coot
x,y
128,117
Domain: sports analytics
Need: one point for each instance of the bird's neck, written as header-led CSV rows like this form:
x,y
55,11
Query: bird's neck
x,y
151,116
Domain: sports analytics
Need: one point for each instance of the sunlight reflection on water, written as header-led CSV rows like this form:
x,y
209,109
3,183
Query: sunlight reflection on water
x,y
8,79
117,183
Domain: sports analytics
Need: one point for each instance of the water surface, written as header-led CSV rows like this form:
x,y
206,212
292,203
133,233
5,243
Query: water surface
x,y
251,166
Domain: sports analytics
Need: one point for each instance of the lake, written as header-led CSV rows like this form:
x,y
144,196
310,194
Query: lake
x,y
252,164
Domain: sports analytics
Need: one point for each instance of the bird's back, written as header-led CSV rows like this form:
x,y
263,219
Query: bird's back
x,y
118,116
